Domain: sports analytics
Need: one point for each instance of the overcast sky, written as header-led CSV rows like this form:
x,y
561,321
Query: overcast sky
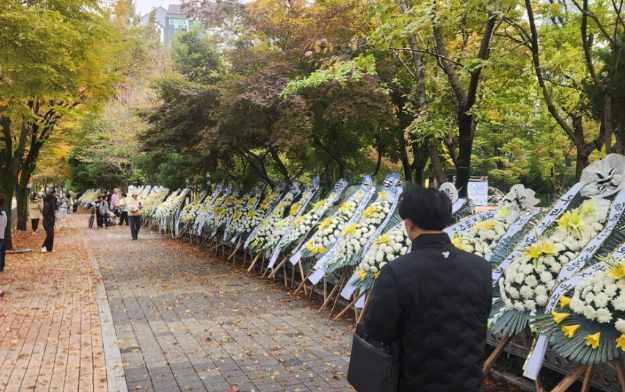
x,y
145,6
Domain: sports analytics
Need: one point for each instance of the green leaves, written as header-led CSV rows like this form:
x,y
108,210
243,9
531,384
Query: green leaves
x,y
339,71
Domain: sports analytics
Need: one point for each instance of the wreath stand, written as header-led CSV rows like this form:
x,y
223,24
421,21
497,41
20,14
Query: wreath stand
x,y
358,313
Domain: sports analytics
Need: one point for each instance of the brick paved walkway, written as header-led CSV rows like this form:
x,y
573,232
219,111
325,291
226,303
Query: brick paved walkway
x,y
50,335
187,321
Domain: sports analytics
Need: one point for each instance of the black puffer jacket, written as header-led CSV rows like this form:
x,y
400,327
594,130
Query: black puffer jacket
x,y
436,301
48,210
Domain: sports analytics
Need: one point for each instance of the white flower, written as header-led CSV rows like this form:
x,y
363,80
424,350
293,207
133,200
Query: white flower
x,y
529,304
526,291
590,312
620,325
541,300
601,300
604,315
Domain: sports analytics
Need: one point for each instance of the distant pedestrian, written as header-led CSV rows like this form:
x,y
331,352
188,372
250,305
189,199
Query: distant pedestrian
x,y
123,206
4,212
104,211
63,209
134,209
98,216
35,211
48,223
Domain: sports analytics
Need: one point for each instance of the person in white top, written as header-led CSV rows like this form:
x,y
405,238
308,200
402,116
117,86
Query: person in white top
x,y
134,210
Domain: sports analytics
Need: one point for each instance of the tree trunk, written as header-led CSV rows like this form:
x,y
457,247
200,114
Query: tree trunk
x,y
405,161
608,120
421,156
619,146
437,166
582,163
465,146
21,195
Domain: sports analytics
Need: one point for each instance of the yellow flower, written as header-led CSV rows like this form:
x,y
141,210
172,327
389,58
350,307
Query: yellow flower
x,y
350,229
362,274
360,192
319,204
587,207
369,211
299,221
250,202
503,213
538,249
564,301
569,330
345,206
294,209
238,202
382,195
325,223
237,215
457,242
558,317
620,342
616,268
571,221
383,239
376,274
593,340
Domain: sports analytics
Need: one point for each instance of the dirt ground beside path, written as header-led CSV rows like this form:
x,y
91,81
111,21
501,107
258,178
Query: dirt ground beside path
x,y
50,335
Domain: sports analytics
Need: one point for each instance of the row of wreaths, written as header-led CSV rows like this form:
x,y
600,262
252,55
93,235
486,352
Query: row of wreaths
x,y
558,271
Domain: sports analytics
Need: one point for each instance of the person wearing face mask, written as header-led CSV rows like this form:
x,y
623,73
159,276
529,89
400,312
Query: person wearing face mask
x,y
435,301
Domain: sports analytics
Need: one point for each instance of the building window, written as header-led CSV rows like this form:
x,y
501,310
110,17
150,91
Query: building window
x,y
178,23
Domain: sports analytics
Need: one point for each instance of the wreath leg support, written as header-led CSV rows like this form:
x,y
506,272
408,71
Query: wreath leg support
x,y
254,262
334,290
342,312
492,358
572,377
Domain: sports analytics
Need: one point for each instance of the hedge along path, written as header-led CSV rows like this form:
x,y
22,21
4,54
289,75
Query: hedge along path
x,y
50,327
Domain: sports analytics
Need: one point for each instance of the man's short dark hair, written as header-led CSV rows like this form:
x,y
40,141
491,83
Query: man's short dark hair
x,y
428,208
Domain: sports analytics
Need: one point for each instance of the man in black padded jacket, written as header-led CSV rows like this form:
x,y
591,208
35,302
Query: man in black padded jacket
x,y
435,300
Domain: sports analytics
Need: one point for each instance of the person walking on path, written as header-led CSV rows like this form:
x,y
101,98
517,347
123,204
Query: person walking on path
x,y
35,211
435,301
48,223
134,209
123,206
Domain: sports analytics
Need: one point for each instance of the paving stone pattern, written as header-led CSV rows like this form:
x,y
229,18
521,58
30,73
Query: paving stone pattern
x,y
186,320
50,335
